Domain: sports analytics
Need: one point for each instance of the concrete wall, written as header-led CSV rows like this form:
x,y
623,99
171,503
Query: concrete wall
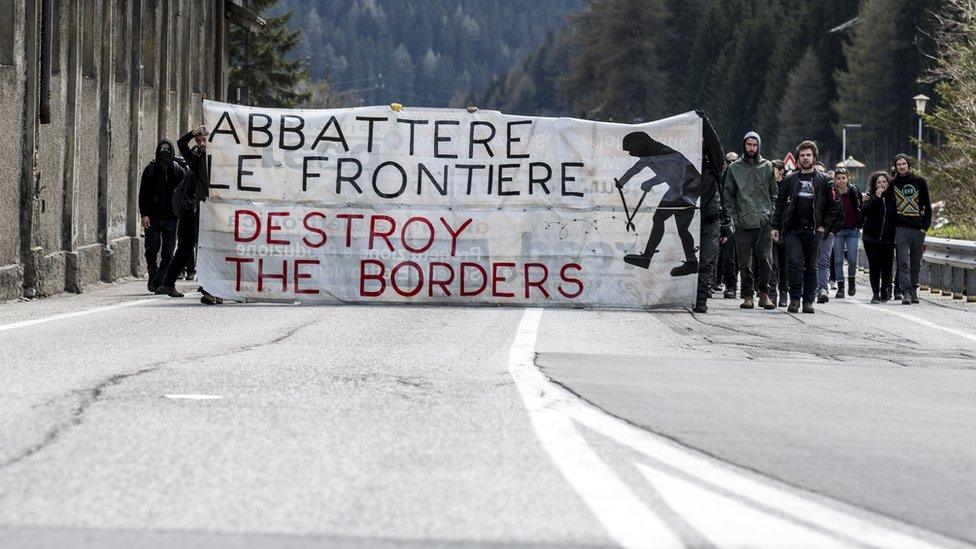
x,y
68,189
11,148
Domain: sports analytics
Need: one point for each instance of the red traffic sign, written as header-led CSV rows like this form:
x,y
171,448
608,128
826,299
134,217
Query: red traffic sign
x,y
789,162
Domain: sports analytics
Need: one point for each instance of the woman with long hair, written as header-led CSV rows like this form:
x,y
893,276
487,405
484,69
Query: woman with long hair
x,y
878,234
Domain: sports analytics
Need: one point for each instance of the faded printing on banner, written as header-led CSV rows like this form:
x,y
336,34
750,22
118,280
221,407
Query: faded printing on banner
x,y
371,205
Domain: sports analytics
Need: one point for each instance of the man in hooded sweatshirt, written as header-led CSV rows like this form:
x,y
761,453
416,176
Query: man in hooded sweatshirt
x,y
750,197
156,187
913,219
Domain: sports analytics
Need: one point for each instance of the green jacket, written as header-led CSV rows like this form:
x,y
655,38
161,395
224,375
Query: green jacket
x,y
750,192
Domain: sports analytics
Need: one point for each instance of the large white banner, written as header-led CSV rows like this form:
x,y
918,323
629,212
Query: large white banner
x,y
372,205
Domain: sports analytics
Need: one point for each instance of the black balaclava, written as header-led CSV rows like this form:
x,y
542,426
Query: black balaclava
x,y
164,154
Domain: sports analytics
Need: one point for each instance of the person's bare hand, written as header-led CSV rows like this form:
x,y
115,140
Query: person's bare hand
x,y
200,130
145,222
775,235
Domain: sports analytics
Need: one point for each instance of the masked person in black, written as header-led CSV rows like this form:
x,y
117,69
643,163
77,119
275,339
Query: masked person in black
x,y
159,181
804,213
715,224
195,189
671,168
878,234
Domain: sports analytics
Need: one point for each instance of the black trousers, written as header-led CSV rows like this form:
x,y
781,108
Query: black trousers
x,y
802,253
186,236
707,254
753,244
728,267
879,264
191,265
779,282
160,240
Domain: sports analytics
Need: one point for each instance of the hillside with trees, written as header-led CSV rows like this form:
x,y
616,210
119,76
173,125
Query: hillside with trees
x,y
431,53
786,68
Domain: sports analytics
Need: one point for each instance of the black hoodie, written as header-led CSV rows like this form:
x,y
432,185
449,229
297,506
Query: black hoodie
x,y
158,182
912,201
879,218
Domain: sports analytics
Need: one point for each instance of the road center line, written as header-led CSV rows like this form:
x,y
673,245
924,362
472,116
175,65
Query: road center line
x,y
63,316
917,320
626,518
193,397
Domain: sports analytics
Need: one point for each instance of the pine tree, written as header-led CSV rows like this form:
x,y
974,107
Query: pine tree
x,y
259,62
732,94
805,108
876,88
616,75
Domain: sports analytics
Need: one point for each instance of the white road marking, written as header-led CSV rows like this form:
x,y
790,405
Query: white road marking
x,y
194,397
63,316
917,320
720,474
727,522
626,518
546,400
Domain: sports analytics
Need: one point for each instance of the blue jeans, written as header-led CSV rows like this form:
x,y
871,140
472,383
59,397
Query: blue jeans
x,y
845,244
823,263
803,247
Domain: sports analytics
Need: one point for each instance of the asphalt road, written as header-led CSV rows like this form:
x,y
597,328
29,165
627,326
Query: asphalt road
x,y
133,420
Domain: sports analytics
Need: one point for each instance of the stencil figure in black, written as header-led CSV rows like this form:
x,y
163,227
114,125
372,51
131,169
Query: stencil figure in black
x,y
668,167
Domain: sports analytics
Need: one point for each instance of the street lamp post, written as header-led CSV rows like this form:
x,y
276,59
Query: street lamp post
x,y
921,101
843,150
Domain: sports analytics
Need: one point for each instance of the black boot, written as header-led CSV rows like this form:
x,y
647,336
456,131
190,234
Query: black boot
x,y
782,300
840,290
808,307
700,308
850,286
170,291
794,306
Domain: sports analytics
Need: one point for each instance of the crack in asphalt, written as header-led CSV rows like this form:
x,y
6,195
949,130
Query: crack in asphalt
x,y
92,395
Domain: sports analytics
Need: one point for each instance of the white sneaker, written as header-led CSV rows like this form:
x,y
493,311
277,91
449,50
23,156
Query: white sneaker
x,y
833,285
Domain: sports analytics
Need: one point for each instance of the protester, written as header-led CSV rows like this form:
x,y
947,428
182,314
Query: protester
x,y
913,219
159,180
196,189
779,286
849,233
804,212
750,196
879,213
825,259
715,226
728,268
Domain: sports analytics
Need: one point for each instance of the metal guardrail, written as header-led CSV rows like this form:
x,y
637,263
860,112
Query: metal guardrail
x,y
949,268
